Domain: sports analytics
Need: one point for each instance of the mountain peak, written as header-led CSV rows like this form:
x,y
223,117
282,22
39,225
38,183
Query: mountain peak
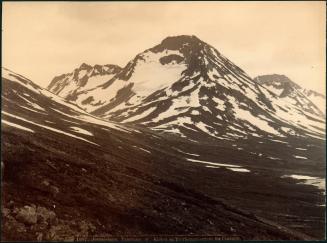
x,y
180,42
276,79
84,66
181,38
284,87
82,78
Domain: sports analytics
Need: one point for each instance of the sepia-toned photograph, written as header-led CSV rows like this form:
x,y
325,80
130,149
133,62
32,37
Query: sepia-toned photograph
x,y
163,121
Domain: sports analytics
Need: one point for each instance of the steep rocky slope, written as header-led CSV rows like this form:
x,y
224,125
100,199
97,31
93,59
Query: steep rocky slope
x,y
82,78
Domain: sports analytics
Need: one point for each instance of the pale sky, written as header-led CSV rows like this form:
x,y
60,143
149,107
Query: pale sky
x,y
43,39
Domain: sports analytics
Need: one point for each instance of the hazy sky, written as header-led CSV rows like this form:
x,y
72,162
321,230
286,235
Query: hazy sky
x,y
41,40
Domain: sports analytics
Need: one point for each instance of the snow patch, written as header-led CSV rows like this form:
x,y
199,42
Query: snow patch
x,y
140,116
150,75
212,163
299,157
278,141
239,169
309,180
220,104
48,128
16,125
142,149
301,148
187,153
211,166
195,113
82,131
253,120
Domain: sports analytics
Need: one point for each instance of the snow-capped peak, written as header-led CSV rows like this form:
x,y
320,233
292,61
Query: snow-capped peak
x,y
279,84
284,88
82,78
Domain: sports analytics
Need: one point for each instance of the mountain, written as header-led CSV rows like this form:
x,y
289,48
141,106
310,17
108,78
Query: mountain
x,y
316,98
185,86
279,84
83,78
308,100
68,174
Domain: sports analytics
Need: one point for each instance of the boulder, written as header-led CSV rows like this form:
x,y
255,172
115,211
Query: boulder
x,y
5,212
11,224
45,183
27,215
39,236
45,216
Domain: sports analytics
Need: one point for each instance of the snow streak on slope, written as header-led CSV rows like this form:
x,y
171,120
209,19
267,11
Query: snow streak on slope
x,y
3,121
47,127
93,98
319,100
47,104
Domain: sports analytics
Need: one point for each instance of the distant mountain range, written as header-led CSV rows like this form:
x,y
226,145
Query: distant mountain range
x,y
185,86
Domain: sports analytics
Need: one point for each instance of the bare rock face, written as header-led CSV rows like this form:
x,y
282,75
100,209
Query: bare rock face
x,y
45,216
38,223
31,215
10,224
27,215
69,231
